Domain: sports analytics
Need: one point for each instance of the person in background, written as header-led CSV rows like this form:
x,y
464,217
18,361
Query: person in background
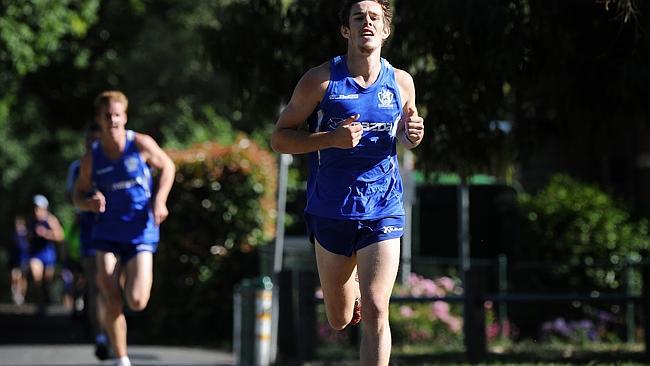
x,y
115,182
19,260
94,304
44,233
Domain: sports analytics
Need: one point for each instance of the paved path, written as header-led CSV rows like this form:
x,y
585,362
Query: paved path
x,y
82,354
54,339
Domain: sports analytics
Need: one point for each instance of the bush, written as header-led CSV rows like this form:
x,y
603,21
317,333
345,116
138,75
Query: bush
x,y
581,226
579,240
221,210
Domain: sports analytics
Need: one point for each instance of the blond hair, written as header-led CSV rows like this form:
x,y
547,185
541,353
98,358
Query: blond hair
x,y
106,97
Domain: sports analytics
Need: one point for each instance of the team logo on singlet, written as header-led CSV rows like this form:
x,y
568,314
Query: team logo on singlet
x,y
131,164
385,98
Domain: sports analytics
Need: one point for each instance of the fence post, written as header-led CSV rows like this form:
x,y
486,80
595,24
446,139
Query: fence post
x,y
474,314
630,323
645,305
297,317
307,281
286,329
503,289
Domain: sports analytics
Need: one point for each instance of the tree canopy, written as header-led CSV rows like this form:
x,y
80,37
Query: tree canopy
x,y
493,78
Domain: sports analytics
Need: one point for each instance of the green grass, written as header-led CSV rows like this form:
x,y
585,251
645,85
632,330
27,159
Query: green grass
x,y
520,354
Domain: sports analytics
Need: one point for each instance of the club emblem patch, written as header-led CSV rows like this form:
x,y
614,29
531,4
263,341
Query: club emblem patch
x,y
385,98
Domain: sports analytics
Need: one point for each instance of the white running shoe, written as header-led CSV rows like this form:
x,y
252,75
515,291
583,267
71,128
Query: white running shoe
x,y
123,361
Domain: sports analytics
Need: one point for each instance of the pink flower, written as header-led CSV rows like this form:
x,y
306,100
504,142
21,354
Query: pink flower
x,y
447,283
414,280
492,331
441,310
454,324
406,311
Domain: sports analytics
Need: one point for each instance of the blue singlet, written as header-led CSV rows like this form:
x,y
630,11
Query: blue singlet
x,y
362,183
126,183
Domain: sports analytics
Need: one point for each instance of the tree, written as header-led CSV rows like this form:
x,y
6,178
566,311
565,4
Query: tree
x,y
33,34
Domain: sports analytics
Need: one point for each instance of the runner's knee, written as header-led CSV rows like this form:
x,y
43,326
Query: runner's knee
x,y
339,317
374,308
338,322
136,300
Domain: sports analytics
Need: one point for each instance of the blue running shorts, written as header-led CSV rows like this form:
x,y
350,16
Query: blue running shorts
x,y
345,237
125,251
46,255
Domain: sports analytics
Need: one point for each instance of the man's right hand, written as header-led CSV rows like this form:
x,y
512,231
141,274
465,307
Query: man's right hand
x,y
348,133
96,202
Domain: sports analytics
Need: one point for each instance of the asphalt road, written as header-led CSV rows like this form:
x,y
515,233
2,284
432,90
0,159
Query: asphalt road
x,y
54,339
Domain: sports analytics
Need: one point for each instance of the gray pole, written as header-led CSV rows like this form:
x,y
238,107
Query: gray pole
x,y
409,197
463,227
285,161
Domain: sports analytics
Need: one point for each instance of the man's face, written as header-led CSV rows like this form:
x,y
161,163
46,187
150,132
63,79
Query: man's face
x,y
40,213
367,29
112,117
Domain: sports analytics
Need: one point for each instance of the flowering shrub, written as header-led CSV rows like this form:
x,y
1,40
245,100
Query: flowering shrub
x,y
577,331
222,209
599,327
439,321
496,330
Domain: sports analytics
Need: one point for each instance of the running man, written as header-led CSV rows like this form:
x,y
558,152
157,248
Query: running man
x,y
357,106
44,232
94,304
115,182
19,260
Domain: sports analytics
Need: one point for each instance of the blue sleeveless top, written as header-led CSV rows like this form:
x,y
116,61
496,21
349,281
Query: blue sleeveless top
x,y
361,183
127,184
37,242
86,219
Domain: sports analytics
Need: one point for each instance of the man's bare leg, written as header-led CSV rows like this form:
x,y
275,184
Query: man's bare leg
x,y
340,289
377,265
108,274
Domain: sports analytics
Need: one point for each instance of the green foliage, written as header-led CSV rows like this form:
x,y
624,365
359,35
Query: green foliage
x,y
464,71
31,32
221,210
583,226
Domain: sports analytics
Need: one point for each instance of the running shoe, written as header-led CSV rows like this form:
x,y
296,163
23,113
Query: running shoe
x,y
356,314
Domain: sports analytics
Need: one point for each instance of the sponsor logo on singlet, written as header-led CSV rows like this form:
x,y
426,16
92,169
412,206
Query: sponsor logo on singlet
x,y
105,170
343,96
391,229
334,122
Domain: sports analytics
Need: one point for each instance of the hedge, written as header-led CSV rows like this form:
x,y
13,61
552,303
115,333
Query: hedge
x,y
222,209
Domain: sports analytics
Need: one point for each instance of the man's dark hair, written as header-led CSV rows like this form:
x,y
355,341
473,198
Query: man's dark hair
x,y
344,13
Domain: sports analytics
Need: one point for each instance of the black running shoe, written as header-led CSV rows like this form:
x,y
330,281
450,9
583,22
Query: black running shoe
x,y
103,351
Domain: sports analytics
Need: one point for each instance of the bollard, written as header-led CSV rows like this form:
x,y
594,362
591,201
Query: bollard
x,y
263,308
252,302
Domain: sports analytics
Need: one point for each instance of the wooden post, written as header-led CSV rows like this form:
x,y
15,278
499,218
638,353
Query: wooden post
x,y
645,305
